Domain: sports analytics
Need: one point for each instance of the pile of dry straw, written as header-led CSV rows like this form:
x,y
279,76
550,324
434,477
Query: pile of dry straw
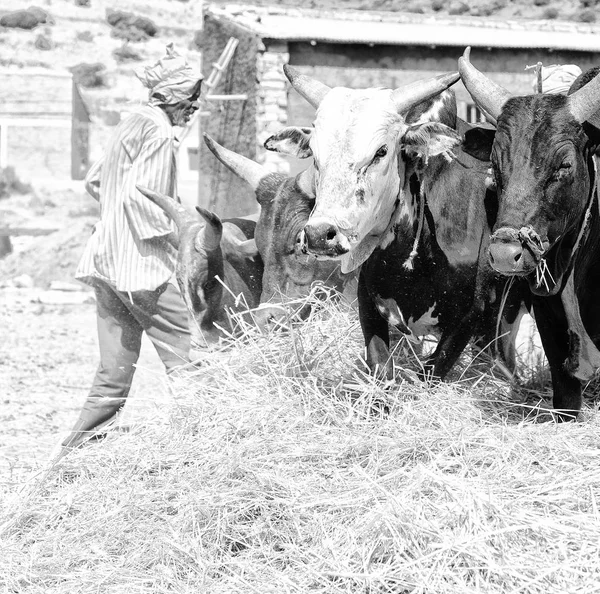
x,y
279,466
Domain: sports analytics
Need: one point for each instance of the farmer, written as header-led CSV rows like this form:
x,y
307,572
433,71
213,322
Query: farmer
x,y
130,257
555,79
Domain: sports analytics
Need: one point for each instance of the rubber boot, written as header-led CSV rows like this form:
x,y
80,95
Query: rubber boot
x,y
97,415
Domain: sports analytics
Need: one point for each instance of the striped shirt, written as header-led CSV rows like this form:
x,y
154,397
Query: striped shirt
x,y
121,251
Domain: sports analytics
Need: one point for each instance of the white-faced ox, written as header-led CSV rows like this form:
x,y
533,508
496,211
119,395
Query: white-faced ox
x,y
286,203
391,195
218,267
548,222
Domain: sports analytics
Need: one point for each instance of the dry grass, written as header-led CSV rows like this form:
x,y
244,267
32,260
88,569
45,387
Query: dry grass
x,y
280,467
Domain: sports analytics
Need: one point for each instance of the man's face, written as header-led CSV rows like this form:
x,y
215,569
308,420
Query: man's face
x,y
180,113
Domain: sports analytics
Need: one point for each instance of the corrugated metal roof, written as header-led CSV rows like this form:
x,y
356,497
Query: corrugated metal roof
x,y
379,28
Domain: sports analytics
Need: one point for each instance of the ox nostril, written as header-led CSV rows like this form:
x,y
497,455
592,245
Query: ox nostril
x,y
324,238
508,257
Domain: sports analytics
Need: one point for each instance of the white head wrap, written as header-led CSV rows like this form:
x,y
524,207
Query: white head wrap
x,y
171,77
557,79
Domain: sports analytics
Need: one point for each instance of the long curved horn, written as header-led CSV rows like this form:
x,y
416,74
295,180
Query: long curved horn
x,y
209,237
174,209
584,104
406,97
312,90
245,168
488,95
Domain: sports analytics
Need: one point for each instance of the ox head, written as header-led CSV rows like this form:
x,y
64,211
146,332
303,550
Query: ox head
x,y
286,203
542,164
356,144
204,243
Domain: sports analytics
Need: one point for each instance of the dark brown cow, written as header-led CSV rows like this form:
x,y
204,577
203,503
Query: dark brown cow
x,y
286,203
548,222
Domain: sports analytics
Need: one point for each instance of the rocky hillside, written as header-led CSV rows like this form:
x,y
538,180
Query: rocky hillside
x,y
104,43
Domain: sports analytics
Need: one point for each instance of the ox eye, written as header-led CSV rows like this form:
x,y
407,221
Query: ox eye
x,y
562,171
381,152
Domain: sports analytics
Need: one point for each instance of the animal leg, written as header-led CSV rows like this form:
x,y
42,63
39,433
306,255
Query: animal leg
x,y
376,334
451,345
552,326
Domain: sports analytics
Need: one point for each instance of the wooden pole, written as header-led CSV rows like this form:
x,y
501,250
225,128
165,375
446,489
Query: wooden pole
x,y
199,118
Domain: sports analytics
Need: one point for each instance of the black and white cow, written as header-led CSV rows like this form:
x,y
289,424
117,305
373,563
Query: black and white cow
x,y
396,194
547,228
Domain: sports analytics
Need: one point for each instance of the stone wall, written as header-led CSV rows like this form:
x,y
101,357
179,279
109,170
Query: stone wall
x,y
272,103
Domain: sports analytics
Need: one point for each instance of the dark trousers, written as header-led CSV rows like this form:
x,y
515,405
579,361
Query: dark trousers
x,y
122,319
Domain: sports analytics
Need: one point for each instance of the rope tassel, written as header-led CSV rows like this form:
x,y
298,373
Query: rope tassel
x,y
409,262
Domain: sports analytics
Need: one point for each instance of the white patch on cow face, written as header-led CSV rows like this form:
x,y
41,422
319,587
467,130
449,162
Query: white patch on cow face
x,y
355,146
425,325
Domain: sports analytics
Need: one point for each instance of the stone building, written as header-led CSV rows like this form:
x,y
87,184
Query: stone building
x,y
43,118
354,49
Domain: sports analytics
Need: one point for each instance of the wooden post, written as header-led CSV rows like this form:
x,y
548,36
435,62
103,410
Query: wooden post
x,y
3,144
80,134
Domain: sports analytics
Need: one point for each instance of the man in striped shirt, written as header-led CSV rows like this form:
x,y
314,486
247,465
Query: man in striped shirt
x,y
130,257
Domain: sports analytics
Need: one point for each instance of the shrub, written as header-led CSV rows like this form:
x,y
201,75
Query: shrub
x,y
586,16
89,75
86,36
126,53
458,8
415,8
541,2
26,19
437,5
130,27
550,13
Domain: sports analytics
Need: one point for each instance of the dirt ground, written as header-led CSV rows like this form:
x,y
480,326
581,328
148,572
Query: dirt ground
x,y
49,351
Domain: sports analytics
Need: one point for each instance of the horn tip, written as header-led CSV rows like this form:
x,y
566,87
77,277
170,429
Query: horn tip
x,y
212,144
290,72
144,190
208,140
208,216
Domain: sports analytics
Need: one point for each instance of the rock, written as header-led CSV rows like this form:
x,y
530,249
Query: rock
x,y
64,286
43,42
24,281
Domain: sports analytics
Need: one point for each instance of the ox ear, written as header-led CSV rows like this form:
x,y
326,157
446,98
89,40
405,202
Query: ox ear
x,y
234,243
429,140
291,141
478,142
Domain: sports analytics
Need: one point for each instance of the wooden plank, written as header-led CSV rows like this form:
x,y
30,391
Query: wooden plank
x,y
31,231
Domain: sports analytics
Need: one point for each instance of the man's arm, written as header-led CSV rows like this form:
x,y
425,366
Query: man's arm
x,y
154,169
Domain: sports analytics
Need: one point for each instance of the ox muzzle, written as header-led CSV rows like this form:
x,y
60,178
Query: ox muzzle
x,y
515,252
324,239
